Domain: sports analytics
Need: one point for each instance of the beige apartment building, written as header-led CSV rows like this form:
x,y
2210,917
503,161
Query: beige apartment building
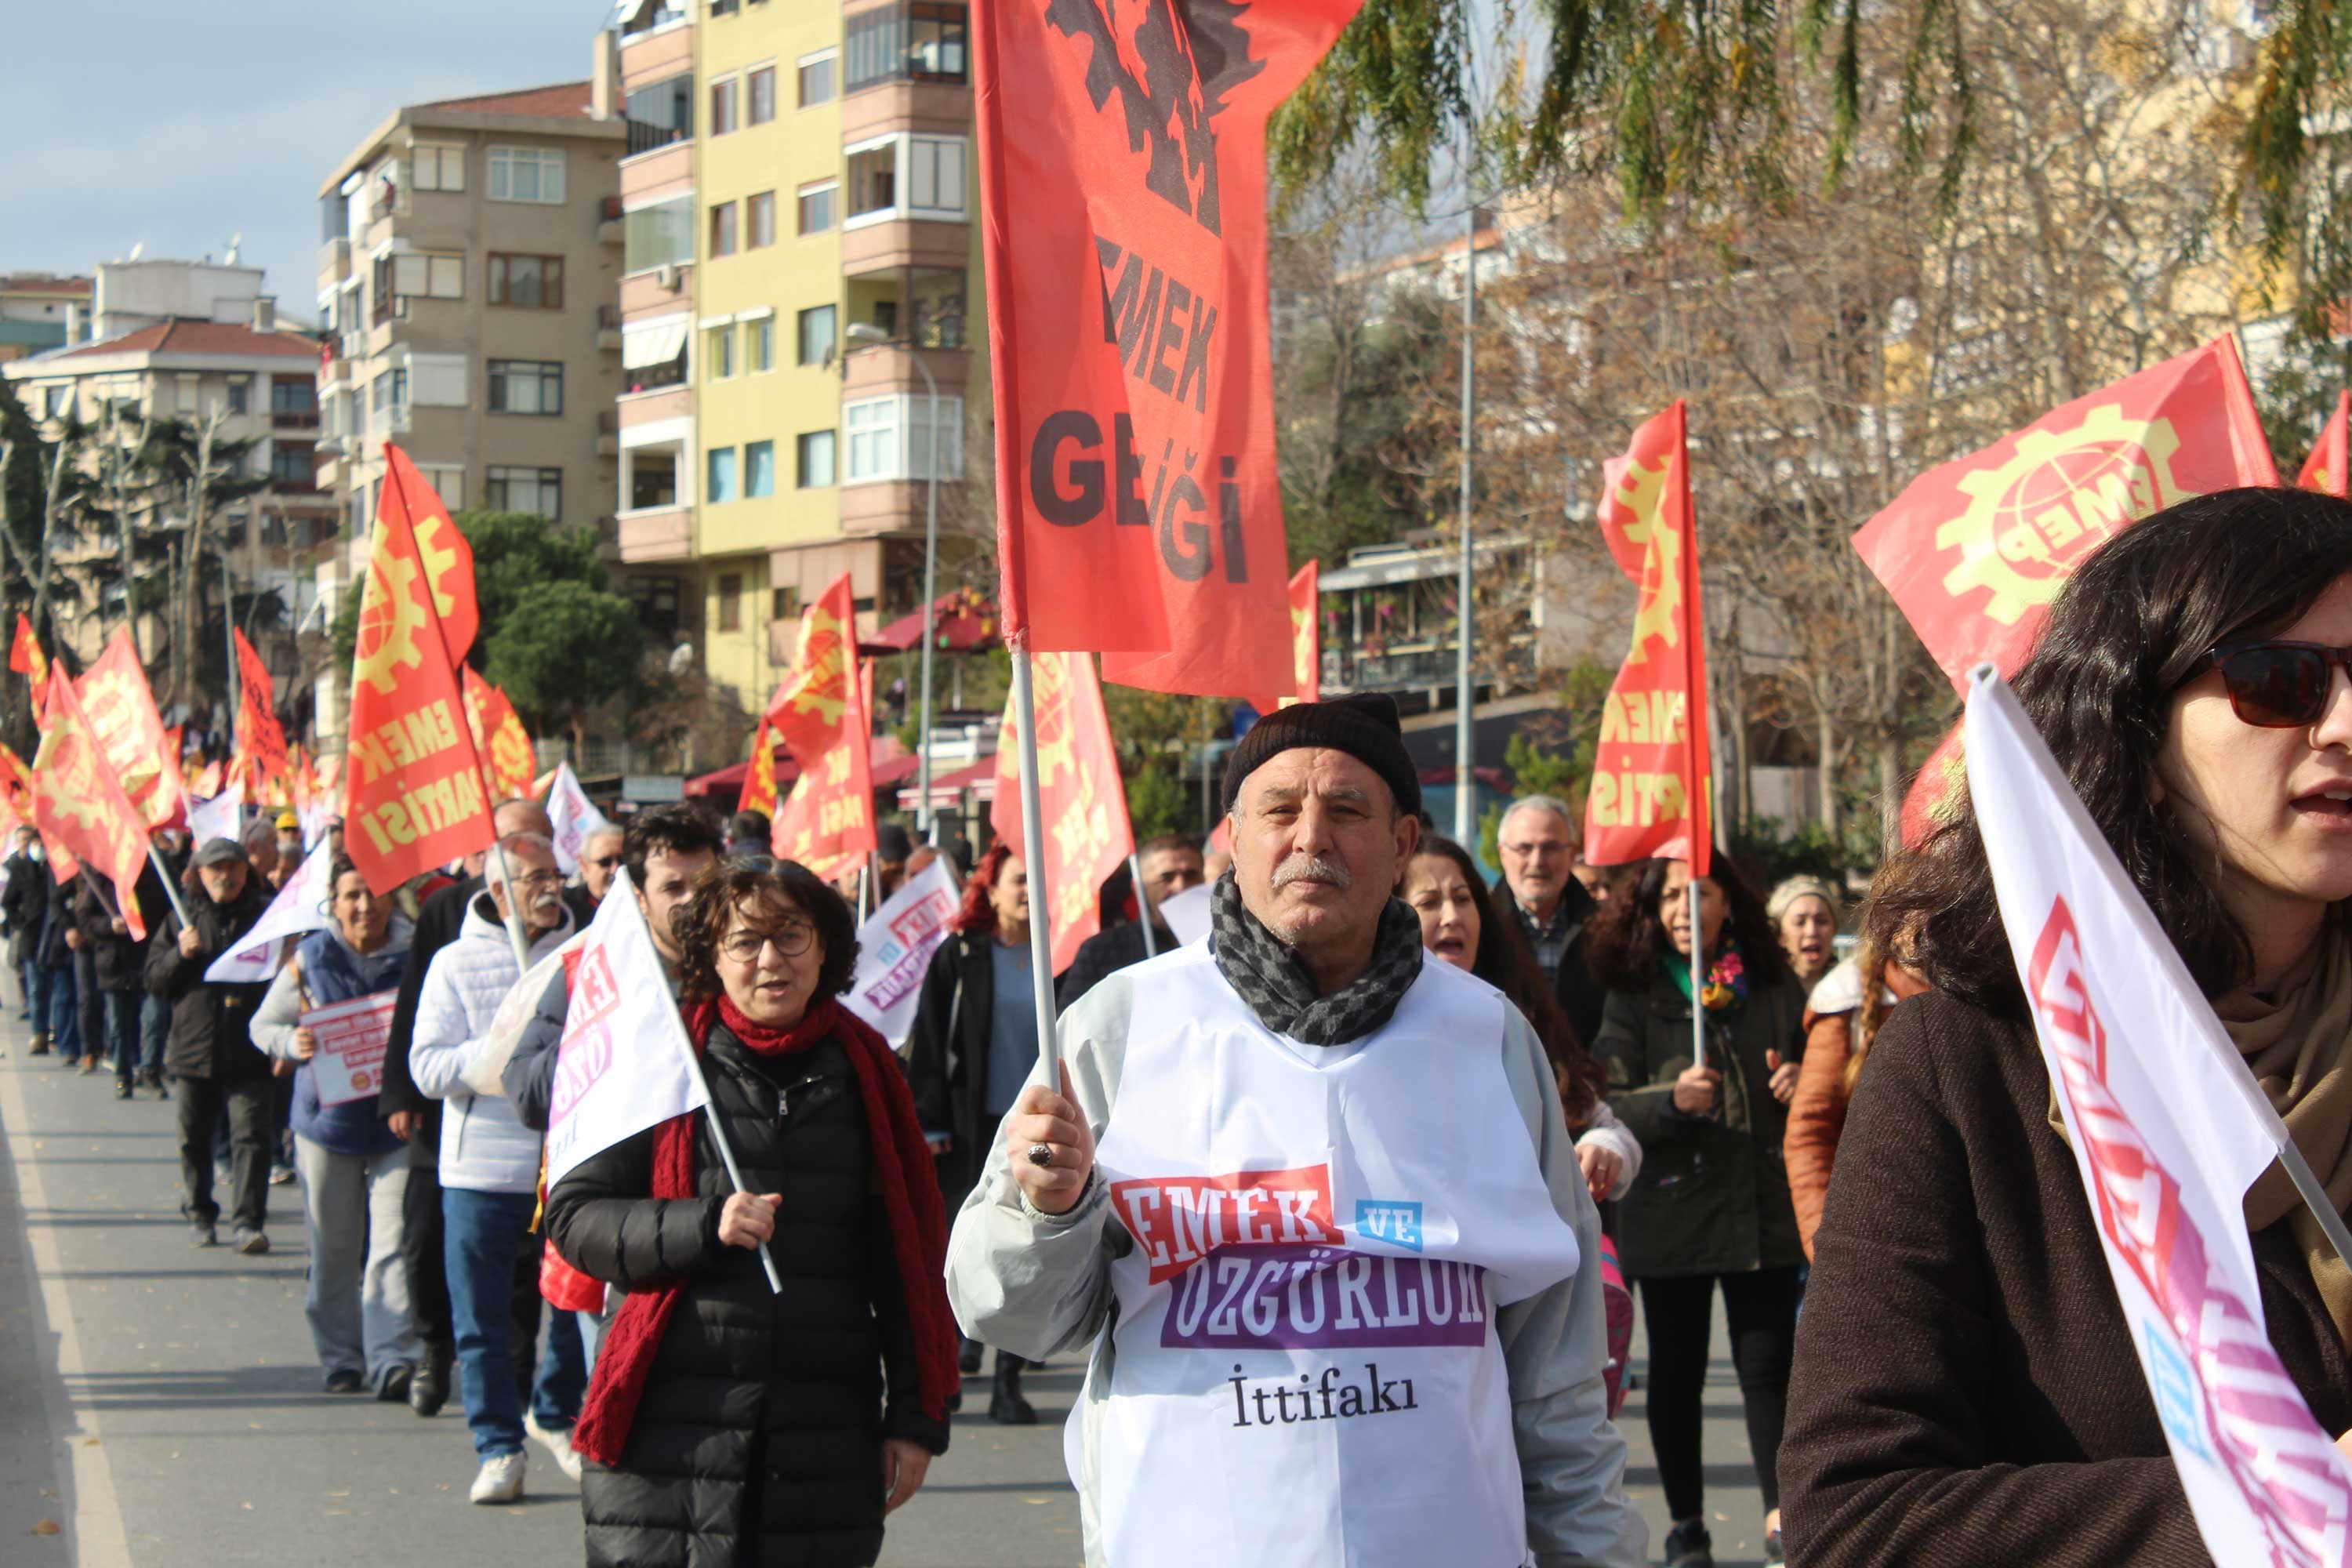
x,y
471,250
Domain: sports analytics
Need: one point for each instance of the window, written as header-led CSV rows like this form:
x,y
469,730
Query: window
x,y
720,486
653,353
890,439
762,87
653,479
722,229
439,381
723,7
906,175
731,600
526,386
873,179
760,344
293,396
760,220
422,274
240,396
656,599
818,205
55,400
924,41
935,297
436,168
726,97
818,337
388,395
784,604
935,42
290,465
526,174
527,282
818,72
935,173
536,491
665,106
448,483
719,353
661,235
814,456
760,468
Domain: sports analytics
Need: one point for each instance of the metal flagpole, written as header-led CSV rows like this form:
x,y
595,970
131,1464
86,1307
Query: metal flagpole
x,y
1698,994
1142,905
1465,777
164,875
1033,836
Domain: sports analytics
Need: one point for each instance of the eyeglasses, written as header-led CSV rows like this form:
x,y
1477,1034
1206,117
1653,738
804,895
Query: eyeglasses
x,y
792,938
538,880
2279,684
604,862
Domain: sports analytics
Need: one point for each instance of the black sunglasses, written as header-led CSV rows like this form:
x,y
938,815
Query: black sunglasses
x,y
2278,685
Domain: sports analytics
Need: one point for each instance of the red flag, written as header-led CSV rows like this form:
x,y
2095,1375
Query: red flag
x,y
260,740
414,798
821,712
1080,799
2328,470
1122,163
1974,551
1653,775
759,774
1307,632
24,655
500,738
16,787
121,708
78,802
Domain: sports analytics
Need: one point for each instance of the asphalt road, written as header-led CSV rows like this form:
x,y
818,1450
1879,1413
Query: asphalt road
x,y
164,1410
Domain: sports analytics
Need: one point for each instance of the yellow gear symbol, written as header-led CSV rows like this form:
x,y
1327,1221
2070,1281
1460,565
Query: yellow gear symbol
x,y
390,618
1642,493
66,784
439,558
823,687
2021,548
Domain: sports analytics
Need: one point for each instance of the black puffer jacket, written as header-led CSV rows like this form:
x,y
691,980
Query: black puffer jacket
x,y
759,1437
120,959
24,901
212,1024
55,953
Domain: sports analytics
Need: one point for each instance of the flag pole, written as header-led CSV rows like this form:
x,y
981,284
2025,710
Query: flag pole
x,y
1698,992
1142,905
164,875
506,872
1032,838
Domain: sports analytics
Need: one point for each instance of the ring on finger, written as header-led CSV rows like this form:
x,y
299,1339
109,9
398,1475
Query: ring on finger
x,y
1042,1155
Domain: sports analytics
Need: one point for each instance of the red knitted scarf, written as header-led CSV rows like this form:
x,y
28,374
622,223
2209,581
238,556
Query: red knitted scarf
x,y
901,1171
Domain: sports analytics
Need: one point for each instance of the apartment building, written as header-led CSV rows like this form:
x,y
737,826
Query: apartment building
x,y
38,311
469,257
791,173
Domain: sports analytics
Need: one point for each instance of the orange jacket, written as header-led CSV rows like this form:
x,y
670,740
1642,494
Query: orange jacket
x,y
1817,1110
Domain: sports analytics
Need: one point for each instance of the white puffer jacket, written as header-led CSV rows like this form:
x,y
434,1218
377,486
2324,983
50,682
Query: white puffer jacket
x,y
484,1147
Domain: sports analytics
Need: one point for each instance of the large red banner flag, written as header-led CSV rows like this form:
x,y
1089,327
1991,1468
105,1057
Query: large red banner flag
x,y
1122,177
822,713
1081,801
260,739
414,793
17,788
142,754
78,802
1653,775
24,655
1974,549
759,774
2328,470
499,739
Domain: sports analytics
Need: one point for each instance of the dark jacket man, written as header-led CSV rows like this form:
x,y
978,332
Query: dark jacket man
x,y
1107,952
438,924
1581,997
24,905
212,1022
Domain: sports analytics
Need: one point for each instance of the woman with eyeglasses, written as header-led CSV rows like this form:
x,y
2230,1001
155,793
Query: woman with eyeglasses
x,y
354,1171
1967,1390
725,1422
974,1042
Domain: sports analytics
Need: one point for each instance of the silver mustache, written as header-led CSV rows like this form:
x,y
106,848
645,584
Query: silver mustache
x,y
1299,867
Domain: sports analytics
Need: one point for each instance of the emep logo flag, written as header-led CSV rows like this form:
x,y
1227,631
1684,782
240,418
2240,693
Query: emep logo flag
x,y
760,774
1652,774
2328,470
625,1063
1122,177
2169,1131
121,708
575,818
300,907
499,739
894,951
79,804
1306,641
1974,551
821,712
1080,798
260,739
17,785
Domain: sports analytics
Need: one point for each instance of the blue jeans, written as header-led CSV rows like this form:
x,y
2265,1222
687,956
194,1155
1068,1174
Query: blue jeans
x,y
122,1034
37,993
65,1013
154,1028
483,1236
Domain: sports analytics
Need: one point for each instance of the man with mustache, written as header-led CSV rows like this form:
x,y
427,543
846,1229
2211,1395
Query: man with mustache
x,y
490,1163
1311,1201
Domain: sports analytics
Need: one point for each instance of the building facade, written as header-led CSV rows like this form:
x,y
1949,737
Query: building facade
x,y
792,175
39,312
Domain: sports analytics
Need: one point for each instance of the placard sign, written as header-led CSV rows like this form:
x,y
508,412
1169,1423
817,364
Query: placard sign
x,y
351,1036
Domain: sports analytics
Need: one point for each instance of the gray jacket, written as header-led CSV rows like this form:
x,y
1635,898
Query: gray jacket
x,y
1038,1284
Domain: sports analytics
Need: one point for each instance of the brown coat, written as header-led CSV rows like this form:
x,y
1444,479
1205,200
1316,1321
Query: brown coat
x,y
2000,1414
1817,1109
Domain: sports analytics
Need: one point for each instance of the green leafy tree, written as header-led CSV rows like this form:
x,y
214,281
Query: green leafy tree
x,y
1535,769
1156,801
561,648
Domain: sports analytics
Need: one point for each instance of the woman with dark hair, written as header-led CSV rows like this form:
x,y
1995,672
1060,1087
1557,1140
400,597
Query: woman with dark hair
x,y
1441,884
974,1042
727,1422
2189,683
1711,1206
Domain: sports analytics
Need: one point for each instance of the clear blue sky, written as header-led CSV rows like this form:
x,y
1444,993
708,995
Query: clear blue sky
x,y
180,124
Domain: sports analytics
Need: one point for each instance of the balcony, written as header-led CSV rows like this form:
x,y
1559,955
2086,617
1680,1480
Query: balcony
x,y
645,138
657,533
610,229
608,328
655,407
334,262
294,419
666,170
873,370
608,434
657,291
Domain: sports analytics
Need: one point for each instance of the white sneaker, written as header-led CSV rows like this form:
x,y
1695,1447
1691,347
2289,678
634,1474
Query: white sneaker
x,y
557,1443
500,1481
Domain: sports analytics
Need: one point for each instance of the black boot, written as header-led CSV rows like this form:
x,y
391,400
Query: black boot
x,y
968,1355
1006,1406
429,1389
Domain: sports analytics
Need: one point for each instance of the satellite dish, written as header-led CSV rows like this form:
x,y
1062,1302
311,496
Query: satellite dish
x,y
136,249
234,242
681,658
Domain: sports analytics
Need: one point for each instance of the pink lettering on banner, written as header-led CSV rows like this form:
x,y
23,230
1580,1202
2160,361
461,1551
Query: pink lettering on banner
x,y
912,926
1304,1296
1178,1221
593,994
2264,1438
899,980
581,1061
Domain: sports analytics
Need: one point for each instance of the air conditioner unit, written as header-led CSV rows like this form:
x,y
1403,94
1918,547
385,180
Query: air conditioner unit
x,y
666,275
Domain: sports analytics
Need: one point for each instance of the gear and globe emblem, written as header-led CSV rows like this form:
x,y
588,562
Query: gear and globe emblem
x,y
392,619
2031,520
1643,494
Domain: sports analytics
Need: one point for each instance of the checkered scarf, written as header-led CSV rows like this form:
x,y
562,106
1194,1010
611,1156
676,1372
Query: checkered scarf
x,y
1278,989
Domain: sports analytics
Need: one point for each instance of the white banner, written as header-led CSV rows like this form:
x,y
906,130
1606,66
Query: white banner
x,y
574,818
299,909
351,1036
223,816
2169,1131
626,1063
895,948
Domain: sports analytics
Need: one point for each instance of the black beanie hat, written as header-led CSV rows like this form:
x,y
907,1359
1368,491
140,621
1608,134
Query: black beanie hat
x,y
1364,725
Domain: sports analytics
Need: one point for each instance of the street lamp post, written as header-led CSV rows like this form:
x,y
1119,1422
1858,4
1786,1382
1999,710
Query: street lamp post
x,y
868,332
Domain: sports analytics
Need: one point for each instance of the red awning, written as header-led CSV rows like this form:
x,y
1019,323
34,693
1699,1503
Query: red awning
x,y
964,622
946,789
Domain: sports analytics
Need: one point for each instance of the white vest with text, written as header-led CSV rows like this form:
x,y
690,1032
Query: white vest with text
x,y
1305,1366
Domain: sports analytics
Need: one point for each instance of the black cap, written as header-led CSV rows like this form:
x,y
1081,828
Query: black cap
x,y
1364,724
891,842
220,851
